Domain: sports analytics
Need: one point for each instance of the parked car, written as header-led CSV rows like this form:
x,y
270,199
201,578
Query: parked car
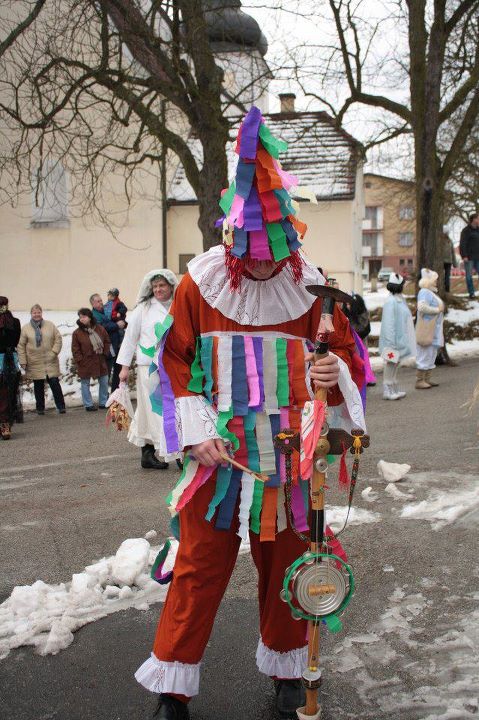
x,y
384,273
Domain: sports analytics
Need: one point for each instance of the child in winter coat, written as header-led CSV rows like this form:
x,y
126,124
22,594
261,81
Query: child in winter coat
x,y
396,339
429,328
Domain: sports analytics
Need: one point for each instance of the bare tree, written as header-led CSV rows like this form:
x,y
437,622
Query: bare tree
x,y
415,64
107,86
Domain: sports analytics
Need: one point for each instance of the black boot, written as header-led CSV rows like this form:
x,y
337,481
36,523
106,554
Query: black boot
x,y
169,708
149,459
290,695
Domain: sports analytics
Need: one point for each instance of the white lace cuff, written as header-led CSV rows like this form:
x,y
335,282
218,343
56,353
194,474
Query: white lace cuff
x,y
160,676
350,414
195,420
288,665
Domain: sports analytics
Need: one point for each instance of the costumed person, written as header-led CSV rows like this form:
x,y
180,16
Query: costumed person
x,y
396,339
358,316
234,367
153,303
38,351
9,368
429,328
90,350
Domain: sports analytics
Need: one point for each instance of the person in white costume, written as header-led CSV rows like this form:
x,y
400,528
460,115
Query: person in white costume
x,y
429,328
396,339
153,303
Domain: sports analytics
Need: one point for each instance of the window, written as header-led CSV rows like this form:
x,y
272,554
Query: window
x,y
50,195
183,260
401,261
409,262
373,240
372,215
368,185
406,239
406,213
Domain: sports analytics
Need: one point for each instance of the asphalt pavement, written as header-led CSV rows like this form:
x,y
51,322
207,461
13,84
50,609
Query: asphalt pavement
x,y
72,490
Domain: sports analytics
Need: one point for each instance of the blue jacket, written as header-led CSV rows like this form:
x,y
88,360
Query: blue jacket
x,y
397,328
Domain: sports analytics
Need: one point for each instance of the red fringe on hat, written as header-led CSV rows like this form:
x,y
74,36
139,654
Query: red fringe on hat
x,y
236,267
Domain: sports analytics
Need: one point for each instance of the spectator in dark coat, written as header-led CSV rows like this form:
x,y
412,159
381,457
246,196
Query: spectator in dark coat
x,y
90,349
113,328
9,368
469,250
450,260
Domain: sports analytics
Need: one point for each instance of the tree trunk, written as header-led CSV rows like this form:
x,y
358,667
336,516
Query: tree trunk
x,y
213,179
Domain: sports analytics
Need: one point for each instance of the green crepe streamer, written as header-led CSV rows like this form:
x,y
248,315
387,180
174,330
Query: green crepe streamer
x,y
186,462
223,418
282,381
227,199
273,145
160,558
197,374
333,623
253,463
175,527
162,327
284,200
223,477
277,240
148,351
206,363
330,459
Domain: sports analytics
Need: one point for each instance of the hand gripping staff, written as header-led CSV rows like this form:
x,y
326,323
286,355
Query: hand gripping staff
x,y
319,585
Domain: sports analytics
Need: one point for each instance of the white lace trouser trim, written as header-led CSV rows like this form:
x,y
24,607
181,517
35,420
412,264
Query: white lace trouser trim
x,y
160,676
287,665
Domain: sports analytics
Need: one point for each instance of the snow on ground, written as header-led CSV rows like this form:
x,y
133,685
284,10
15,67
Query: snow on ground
x,y
46,616
464,317
336,516
442,672
443,507
376,299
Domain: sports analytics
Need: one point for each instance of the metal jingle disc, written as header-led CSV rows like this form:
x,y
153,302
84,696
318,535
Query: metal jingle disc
x,y
311,678
316,575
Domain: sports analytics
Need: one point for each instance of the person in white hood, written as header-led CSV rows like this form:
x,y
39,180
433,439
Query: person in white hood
x,y
153,303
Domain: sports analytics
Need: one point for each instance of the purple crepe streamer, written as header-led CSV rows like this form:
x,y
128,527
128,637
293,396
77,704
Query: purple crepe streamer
x,y
297,507
219,222
361,349
249,134
169,408
253,217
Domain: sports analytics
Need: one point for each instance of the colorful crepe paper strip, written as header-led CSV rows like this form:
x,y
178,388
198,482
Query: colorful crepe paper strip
x,y
258,205
157,573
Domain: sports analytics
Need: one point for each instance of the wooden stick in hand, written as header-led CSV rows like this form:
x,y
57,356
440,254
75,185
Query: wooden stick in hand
x,y
236,464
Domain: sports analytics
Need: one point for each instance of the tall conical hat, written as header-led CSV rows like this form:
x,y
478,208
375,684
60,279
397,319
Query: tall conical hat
x,y
259,218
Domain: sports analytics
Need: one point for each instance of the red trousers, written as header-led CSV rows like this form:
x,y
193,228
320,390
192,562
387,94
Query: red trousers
x,y
203,567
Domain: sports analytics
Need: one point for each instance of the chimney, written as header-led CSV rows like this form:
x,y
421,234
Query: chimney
x,y
287,102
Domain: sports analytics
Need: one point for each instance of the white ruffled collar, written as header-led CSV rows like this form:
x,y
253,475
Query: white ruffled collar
x,y
259,302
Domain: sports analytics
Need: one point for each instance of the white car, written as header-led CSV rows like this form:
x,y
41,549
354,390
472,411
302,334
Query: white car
x,y
384,273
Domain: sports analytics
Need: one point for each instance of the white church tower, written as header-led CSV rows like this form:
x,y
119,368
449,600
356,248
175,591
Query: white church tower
x,y
240,48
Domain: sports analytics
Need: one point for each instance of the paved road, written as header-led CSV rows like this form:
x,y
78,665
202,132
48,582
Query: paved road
x,y
71,491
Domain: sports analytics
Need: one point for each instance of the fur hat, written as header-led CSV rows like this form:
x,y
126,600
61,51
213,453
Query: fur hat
x,y
428,279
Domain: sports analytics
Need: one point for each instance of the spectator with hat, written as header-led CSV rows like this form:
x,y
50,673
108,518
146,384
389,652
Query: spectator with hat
x,y
429,328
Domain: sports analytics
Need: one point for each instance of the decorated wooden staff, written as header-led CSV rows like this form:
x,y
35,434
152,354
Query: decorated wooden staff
x,y
319,585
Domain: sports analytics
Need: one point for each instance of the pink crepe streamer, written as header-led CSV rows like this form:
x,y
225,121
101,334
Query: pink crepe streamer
x,y
287,179
201,476
258,245
252,376
236,213
309,437
284,423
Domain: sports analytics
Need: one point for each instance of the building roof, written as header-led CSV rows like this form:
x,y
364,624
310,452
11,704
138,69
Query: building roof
x,y
323,157
388,177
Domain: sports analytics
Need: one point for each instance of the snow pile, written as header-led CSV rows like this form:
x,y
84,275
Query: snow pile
x,y
443,507
377,299
369,494
463,317
336,516
392,472
397,494
46,616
